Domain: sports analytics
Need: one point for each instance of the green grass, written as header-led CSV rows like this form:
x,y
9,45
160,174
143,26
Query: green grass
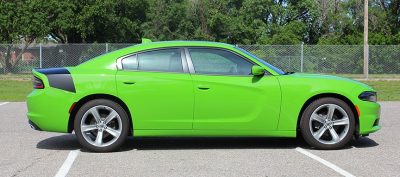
x,y
24,77
17,87
371,76
387,90
14,90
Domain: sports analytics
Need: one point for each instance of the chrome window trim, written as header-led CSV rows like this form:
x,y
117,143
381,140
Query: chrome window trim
x,y
119,62
184,61
189,61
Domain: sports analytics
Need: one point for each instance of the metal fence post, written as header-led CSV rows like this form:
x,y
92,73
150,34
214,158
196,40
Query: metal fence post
x,y
40,56
106,47
366,48
302,57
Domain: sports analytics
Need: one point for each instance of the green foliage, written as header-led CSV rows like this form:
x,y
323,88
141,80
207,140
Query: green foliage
x,y
232,21
22,20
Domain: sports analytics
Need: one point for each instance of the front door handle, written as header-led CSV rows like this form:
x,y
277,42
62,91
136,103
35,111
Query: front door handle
x,y
203,87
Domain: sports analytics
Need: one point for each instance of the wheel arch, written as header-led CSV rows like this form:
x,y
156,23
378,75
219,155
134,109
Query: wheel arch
x,y
88,98
325,95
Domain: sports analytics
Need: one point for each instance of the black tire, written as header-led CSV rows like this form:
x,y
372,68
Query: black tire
x,y
306,131
117,142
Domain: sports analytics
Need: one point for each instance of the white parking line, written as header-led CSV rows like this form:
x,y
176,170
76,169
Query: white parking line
x,y
1,104
64,169
326,163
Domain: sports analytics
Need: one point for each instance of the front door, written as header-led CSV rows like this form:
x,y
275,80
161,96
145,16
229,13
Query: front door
x,y
228,96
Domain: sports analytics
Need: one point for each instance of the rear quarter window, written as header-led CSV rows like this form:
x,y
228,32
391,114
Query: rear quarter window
x,y
164,60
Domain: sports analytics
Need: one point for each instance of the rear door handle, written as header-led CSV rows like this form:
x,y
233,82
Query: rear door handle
x,y
129,82
203,87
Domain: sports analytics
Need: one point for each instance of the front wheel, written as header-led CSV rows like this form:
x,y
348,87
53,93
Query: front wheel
x,y
327,123
101,125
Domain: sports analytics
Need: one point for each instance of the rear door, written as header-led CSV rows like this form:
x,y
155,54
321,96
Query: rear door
x,y
157,89
228,96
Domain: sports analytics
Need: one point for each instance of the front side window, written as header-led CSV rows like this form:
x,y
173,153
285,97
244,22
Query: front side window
x,y
219,62
166,60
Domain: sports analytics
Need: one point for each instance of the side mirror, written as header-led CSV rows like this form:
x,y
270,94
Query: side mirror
x,y
257,70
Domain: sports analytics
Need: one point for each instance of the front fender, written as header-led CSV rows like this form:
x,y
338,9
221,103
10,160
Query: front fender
x,y
297,90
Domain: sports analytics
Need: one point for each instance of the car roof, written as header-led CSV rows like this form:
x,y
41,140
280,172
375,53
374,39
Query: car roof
x,y
149,45
106,58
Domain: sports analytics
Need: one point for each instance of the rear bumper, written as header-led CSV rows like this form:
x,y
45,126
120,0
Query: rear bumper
x,y
34,126
48,109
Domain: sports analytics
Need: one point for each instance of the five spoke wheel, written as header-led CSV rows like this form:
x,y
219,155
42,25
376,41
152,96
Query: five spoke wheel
x,y
101,125
329,123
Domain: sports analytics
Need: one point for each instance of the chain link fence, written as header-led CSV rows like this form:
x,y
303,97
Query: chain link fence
x,y
330,59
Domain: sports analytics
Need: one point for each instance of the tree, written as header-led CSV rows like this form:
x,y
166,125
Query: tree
x,y
20,22
166,20
231,21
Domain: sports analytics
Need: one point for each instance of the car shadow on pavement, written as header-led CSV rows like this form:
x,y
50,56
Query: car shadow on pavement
x,y
62,142
69,142
364,142
169,143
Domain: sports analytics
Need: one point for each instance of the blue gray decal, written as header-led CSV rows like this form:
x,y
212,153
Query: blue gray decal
x,y
59,78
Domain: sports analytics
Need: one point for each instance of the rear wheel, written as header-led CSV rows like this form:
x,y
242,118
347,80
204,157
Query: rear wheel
x,y
101,125
327,123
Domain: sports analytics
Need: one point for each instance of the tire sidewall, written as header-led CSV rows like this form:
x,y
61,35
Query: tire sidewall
x,y
124,120
305,129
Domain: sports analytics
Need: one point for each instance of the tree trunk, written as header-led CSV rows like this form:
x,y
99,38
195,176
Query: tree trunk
x,y
202,17
19,56
7,61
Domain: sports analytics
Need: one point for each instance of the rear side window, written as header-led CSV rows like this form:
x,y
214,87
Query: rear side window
x,y
130,63
165,60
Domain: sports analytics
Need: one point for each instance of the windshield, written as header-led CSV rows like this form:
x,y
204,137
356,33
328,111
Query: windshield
x,y
277,70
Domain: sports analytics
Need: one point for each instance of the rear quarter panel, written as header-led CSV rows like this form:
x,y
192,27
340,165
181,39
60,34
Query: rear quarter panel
x,y
94,81
49,107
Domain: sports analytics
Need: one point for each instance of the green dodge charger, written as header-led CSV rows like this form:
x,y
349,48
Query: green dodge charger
x,y
193,88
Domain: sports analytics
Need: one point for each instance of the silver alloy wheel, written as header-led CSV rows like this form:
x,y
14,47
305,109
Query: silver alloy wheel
x,y
329,124
101,126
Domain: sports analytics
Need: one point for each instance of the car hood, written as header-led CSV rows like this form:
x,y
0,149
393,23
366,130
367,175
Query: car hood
x,y
322,77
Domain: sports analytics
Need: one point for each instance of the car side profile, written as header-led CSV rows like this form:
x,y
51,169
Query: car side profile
x,y
194,88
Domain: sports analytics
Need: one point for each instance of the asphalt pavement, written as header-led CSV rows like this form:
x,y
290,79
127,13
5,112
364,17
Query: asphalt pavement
x,y
26,152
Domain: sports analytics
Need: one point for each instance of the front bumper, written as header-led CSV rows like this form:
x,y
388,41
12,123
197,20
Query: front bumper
x,y
369,117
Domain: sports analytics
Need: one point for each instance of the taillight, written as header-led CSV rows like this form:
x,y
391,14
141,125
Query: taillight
x,y
37,83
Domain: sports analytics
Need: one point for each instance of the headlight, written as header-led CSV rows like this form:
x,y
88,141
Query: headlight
x,y
368,96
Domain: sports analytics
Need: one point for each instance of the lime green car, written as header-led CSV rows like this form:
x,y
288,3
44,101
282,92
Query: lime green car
x,y
193,88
